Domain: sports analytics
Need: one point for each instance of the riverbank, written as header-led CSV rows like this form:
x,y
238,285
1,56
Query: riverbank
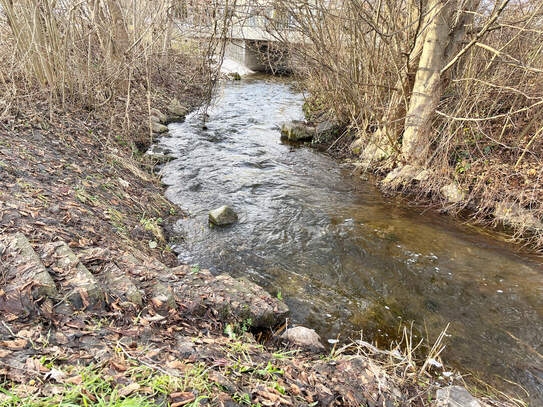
x,y
95,311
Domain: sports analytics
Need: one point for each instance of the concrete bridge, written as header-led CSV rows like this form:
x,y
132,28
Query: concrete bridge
x,y
254,35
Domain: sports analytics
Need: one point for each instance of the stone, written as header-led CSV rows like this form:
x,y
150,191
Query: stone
x,y
303,337
120,286
176,112
325,132
222,216
33,269
84,288
452,193
159,154
402,175
372,152
176,108
163,298
297,131
513,214
455,396
233,300
325,127
158,128
185,346
158,116
356,146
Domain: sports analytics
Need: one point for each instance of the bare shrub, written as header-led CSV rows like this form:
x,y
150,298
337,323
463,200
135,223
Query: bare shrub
x,y
96,54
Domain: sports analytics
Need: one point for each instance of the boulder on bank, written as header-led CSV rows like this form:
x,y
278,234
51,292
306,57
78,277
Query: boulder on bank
x,y
452,193
303,337
223,216
229,298
159,154
158,128
325,132
513,214
297,131
176,112
455,396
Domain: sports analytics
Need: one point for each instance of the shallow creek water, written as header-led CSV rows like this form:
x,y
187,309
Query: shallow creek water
x,y
345,258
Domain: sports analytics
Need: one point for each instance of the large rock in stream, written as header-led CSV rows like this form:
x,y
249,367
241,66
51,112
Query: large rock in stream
x,y
297,131
230,298
223,216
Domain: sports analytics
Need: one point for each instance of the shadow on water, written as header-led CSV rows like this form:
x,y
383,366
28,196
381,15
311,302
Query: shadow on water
x,y
345,258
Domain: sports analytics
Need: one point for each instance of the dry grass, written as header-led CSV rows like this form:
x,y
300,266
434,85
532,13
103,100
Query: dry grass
x,y
111,58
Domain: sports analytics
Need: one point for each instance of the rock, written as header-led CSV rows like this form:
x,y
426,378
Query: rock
x,y
403,175
120,286
297,131
514,215
422,176
455,396
325,131
160,154
84,288
163,298
325,127
235,76
223,216
32,268
357,145
452,193
157,115
185,346
234,300
158,128
372,152
304,337
176,112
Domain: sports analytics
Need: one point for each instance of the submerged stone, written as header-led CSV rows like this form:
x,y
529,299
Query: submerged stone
x,y
222,216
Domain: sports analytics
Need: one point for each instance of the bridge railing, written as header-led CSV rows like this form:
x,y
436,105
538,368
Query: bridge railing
x,y
205,13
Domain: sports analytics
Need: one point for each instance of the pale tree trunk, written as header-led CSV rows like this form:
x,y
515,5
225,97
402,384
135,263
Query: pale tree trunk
x,y
427,87
120,33
385,140
446,30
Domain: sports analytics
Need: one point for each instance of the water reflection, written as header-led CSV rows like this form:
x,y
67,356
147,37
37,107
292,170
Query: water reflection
x,y
343,257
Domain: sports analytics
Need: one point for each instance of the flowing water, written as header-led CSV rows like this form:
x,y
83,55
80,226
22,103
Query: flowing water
x,y
344,257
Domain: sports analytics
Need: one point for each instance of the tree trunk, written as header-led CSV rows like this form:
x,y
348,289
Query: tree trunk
x,y
120,33
427,87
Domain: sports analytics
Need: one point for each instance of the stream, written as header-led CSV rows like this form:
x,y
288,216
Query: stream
x,y
346,259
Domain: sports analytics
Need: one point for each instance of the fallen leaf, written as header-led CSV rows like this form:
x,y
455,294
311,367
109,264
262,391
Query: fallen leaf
x,y
181,398
127,390
18,343
118,366
74,380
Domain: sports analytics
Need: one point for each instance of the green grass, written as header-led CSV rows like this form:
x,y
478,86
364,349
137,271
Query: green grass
x,y
96,387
